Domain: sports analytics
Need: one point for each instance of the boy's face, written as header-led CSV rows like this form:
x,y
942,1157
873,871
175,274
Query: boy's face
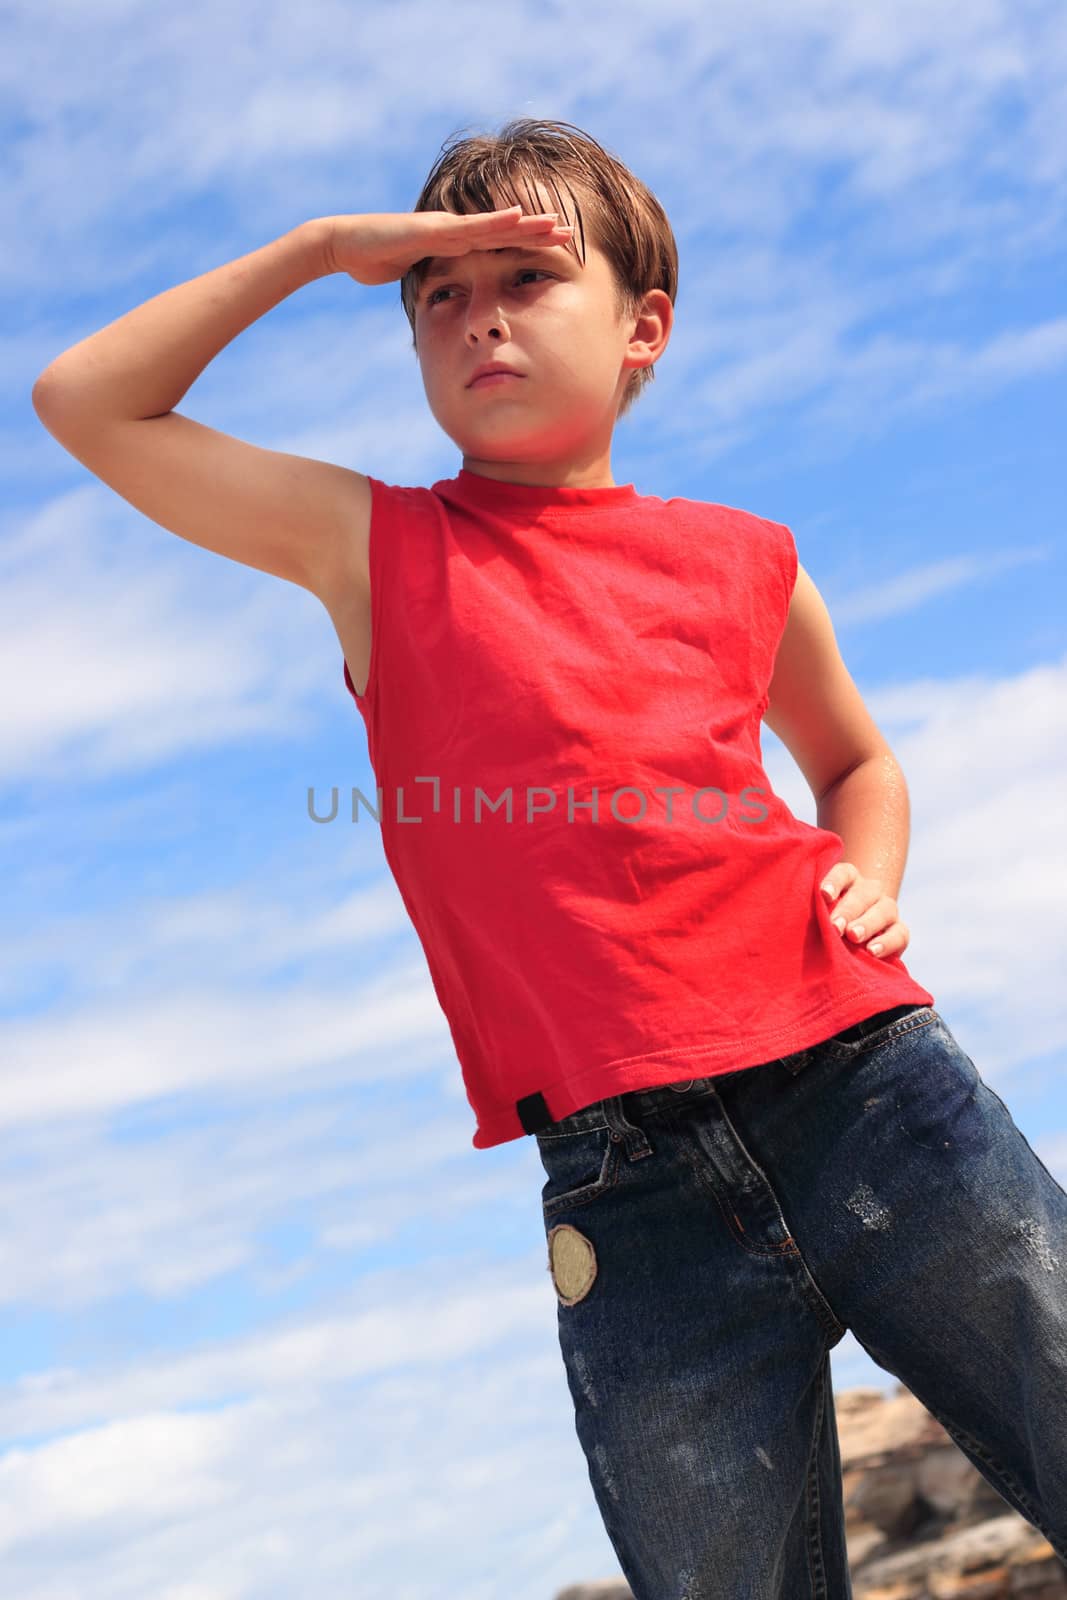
x,y
551,319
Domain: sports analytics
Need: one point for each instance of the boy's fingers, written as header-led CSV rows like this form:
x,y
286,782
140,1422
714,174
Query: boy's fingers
x,y
840,876
493,225
515,218
538,229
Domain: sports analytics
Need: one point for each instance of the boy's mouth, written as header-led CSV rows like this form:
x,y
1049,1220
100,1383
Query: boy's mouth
x,y
489,379
491,371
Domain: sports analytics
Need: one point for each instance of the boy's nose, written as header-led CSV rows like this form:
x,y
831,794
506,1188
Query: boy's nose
x,y
484,311
485,328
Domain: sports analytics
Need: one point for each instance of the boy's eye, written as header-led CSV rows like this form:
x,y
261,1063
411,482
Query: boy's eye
x,y
529,272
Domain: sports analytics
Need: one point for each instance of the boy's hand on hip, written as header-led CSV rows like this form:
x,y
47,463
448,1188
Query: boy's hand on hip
x,y
862,912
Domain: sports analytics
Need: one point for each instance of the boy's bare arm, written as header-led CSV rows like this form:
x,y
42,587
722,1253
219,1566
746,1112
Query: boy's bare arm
x,y
109,400
142,364
815,707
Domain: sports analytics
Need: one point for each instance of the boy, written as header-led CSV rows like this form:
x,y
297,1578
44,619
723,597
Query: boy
x,y
531,631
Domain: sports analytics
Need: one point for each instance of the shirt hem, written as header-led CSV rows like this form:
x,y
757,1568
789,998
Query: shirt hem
x,y
627,1073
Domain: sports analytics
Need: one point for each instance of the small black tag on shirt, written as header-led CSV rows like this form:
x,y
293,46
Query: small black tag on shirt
x,y
533,1113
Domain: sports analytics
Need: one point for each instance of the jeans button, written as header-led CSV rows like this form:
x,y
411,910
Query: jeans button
x,y
680,1088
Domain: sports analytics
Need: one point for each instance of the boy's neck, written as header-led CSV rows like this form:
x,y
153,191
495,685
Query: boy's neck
x,y
546,475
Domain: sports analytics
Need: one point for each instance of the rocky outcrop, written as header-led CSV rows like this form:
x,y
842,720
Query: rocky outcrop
x,y
921,1521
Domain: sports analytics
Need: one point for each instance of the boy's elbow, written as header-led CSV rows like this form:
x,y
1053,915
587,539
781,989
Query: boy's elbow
x,y
47,394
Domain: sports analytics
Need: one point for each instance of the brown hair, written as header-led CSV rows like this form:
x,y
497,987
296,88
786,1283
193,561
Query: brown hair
x,y
621,215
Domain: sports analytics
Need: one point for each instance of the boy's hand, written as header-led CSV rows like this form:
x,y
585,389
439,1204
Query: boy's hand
x,y
864,911
381,246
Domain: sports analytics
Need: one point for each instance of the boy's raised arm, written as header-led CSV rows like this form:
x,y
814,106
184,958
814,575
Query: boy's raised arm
x,y
142,364
109,401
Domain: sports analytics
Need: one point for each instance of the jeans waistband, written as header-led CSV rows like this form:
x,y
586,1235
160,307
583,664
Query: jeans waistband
x,y
536,1118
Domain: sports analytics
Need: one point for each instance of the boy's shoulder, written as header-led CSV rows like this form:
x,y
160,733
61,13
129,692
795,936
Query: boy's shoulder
x,y
742,518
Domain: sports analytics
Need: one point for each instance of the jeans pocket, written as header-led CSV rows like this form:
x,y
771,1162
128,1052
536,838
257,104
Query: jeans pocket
x,y
580,1167
877,1030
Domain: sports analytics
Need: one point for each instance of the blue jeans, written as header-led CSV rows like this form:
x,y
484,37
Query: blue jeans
x,y
710,1242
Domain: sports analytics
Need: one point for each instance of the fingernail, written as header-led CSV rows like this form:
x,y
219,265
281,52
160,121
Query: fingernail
x,y
839,924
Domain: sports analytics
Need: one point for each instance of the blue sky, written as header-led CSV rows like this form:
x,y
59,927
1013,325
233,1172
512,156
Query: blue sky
x,y
271,1326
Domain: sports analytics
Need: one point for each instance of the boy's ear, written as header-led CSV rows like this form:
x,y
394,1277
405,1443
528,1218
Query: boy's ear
x,y
652,328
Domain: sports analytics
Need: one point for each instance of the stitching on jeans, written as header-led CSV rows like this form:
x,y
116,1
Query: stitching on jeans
x,y
788,1247
824,1311
588,1192
896,1030
813,1546
845,1050
570,1133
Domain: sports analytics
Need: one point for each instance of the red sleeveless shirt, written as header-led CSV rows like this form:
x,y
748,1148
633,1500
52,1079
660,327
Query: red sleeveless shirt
x,y
563,719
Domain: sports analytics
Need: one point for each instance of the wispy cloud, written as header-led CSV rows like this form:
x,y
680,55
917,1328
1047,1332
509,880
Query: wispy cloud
x,y
908,591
